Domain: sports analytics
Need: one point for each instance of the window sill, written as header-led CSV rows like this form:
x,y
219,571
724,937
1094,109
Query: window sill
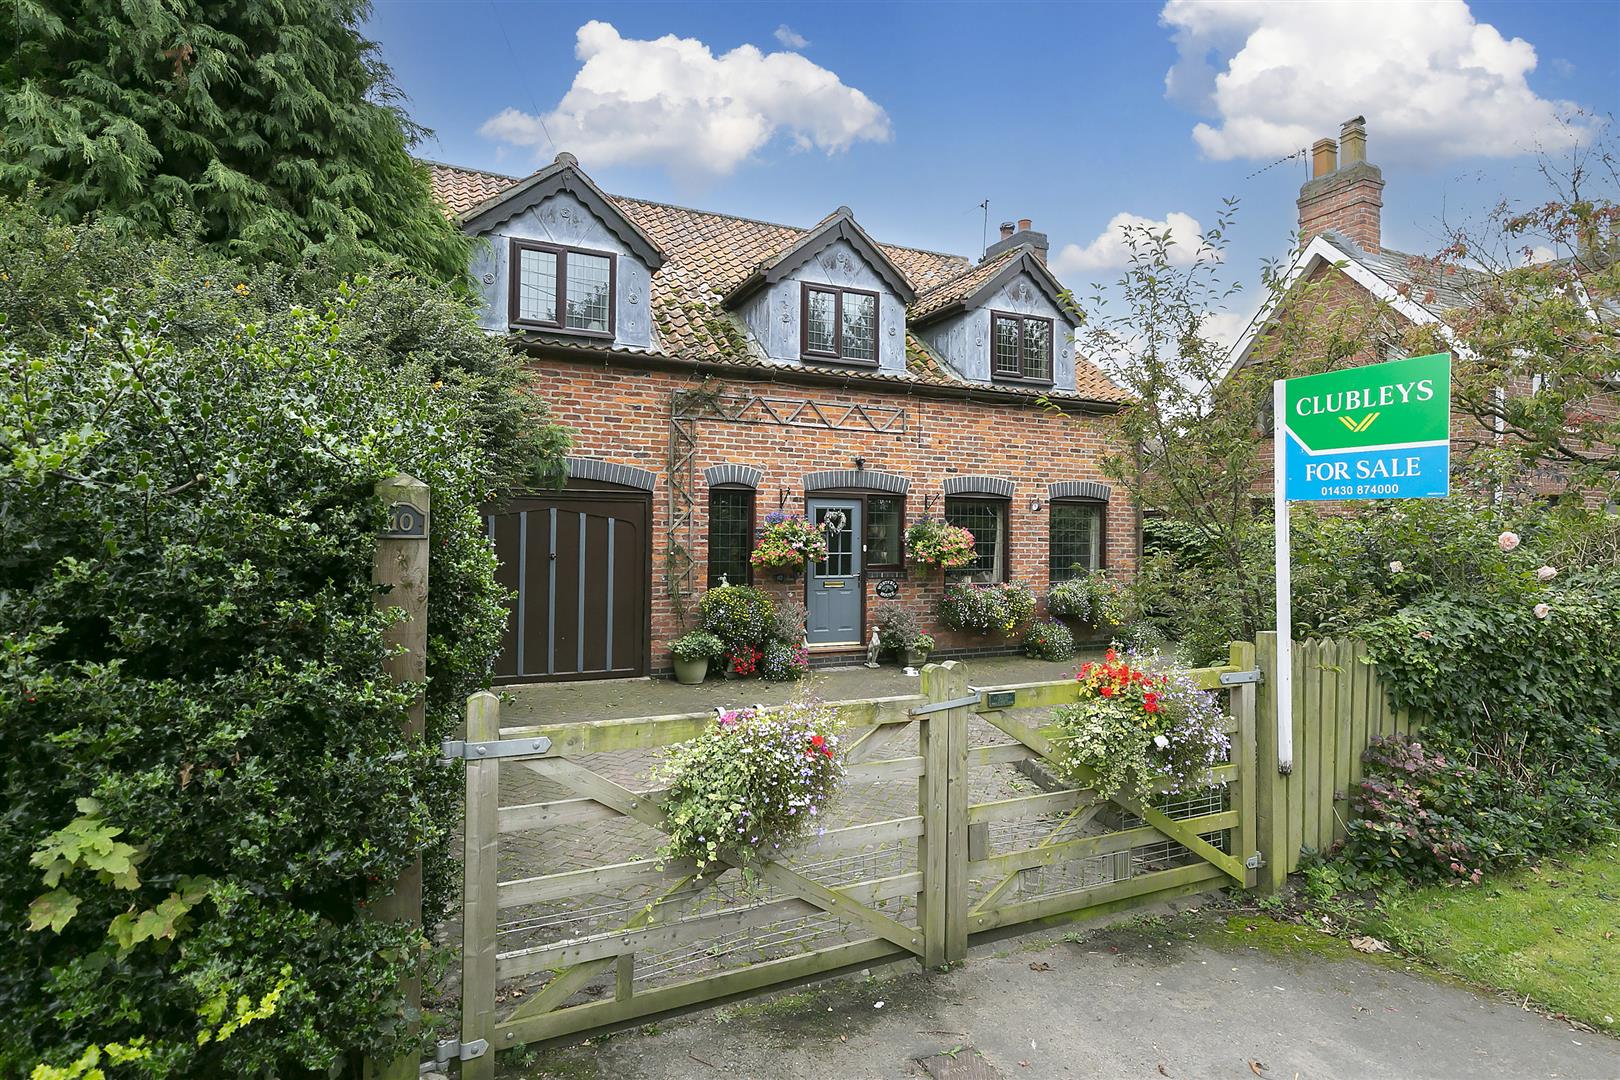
x,y
547,328
1013,380
838,361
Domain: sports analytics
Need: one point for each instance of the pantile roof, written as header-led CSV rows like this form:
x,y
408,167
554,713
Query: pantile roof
x,y
708,254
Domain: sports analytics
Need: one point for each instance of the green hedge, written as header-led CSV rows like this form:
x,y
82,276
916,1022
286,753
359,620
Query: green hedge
x,y
204,782
1521,732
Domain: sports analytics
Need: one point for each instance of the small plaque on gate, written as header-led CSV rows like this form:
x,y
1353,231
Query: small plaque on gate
x,y
1000,699
405,522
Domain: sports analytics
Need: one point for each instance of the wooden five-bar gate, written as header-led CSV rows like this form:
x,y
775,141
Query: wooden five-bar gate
x,y
948,828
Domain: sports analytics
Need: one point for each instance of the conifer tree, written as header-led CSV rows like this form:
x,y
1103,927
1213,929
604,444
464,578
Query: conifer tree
x,y
271,127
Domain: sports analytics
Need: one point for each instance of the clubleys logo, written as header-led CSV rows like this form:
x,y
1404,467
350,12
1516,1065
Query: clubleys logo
x,y
1359,426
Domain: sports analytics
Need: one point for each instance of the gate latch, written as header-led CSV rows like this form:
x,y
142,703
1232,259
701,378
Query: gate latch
x,y
1238,678
1255,861
452,750
449,1050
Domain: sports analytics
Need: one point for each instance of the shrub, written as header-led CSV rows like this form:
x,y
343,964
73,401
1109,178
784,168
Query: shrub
x,y
939,546
787,625
1144,638
781,661
1136,730
788,542
697,645
1048,639
741,616
1523,686
897,627
987,609
752,783
1418,816
207,778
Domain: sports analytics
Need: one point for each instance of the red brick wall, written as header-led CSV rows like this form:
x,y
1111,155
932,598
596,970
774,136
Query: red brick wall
x,y
623,416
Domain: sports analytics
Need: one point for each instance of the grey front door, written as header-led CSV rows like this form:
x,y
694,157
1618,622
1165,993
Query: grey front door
x,y
833,588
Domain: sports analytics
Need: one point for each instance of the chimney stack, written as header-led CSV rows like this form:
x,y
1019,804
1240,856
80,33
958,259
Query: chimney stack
x,y
1020,235
1345,191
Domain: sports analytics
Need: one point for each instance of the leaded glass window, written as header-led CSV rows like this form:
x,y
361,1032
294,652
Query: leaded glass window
x,y
820,322
561,288
731,535
1075,544
986,519
589,279
537,286
840,324
1021,347
885,530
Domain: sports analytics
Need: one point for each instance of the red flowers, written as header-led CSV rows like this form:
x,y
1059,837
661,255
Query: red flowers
x,y
1106,690
1150,702
817,741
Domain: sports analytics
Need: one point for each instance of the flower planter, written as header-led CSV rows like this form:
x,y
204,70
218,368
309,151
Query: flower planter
x,y
691,672
914,657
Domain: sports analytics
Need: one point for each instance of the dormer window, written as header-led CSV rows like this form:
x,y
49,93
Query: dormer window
x,y
562,288
1020,348
839,324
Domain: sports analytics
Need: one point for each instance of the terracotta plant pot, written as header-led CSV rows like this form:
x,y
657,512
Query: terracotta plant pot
x,y
691,672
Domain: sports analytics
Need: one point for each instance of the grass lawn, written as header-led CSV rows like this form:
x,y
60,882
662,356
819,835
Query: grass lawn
x,y
1552,932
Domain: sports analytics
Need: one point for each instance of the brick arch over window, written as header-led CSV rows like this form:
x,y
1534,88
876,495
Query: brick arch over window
x,y
996,487
584,468
740,475
1079,489
856,480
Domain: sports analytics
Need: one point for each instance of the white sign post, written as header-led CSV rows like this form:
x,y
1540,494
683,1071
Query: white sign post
x,y
1377,432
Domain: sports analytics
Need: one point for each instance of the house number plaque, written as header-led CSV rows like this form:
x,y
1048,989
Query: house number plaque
x,y
888,589
405,522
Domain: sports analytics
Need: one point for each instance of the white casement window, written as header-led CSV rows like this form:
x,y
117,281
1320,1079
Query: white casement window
x,y
1020,347
561,288
839,324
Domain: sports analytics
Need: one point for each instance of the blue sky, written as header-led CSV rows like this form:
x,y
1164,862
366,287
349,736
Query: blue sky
x,y
914,113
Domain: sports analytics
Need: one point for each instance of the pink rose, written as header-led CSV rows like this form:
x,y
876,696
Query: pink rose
x,y
1396,567
1508,541
1547,573
1542,611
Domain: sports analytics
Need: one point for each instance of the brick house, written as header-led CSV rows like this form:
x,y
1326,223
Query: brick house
x,y
1342,253
715,369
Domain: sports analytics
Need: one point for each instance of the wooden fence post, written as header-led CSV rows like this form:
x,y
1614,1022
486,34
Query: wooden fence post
x,y
399,578
1271,787
956,814
478,905
940,683
1242,702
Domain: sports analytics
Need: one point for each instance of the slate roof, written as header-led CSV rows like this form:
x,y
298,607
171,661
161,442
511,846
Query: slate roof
x,y
708,254
1438,289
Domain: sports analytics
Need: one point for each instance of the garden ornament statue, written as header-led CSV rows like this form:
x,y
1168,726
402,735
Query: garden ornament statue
x,y
872,647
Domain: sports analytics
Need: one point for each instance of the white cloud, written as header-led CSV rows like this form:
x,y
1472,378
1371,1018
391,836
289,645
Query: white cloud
x,y
790,37
1433,82
673,103
1112,249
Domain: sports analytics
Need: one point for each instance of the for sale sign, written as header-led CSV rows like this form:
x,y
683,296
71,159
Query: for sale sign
x,y
1376,432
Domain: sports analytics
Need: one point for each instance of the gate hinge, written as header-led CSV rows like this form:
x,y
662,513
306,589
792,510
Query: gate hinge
x,y
449,1050
452,750
1255,861
1238,678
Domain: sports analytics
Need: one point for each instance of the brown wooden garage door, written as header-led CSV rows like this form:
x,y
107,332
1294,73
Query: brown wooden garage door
x,y
578,565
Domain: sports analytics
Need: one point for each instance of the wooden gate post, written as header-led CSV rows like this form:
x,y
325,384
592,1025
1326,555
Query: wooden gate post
x,y
1242,701
942,848
482,844
399,576
1271,786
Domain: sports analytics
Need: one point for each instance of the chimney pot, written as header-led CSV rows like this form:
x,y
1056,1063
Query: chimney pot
x,y
1324,157
1353,141
1006,229
1023,224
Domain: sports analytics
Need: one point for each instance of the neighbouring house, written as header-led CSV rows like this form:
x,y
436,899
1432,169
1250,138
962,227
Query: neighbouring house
x,y
715,369
1342,254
